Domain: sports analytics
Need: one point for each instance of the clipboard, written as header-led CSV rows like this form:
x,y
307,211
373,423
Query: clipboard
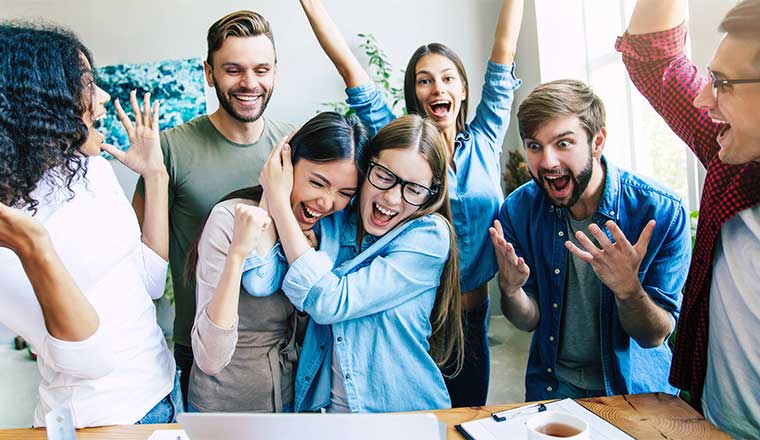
x,y
511,423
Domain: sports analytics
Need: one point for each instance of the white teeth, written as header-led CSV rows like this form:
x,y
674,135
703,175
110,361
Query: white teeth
x,y
554,177
440,102
246,98
310,212
385,211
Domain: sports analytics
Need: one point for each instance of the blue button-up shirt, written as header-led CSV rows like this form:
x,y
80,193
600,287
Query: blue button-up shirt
x,y
373,308
475,180
538,231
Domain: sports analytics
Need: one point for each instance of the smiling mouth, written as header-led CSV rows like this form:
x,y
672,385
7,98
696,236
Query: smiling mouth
x,y
246,98
382,214
309,214
440,108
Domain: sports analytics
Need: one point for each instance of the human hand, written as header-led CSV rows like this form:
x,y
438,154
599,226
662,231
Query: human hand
x,y
277,175
250,222
616,264
144,155
513,271
19,231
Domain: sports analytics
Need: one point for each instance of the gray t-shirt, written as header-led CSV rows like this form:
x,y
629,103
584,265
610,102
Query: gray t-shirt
x,y
579,361
203,167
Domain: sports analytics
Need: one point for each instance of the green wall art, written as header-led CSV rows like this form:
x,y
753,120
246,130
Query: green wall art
x,y
177,83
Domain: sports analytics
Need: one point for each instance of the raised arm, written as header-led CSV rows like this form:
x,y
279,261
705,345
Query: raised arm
x,y
145,158
507,31
334,44
656,16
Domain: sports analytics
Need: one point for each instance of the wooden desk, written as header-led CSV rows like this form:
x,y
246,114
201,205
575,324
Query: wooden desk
x,y
644,416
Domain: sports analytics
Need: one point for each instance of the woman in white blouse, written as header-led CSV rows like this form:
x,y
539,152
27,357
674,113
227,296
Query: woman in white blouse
x,y
77,277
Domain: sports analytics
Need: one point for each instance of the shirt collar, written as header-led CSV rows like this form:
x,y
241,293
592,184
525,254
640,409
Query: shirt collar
x,y
610,202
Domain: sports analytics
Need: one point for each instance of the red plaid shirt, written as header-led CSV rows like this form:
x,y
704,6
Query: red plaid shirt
x,y
660,70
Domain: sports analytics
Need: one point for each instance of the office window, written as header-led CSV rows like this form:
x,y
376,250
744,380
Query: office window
x,y
576,40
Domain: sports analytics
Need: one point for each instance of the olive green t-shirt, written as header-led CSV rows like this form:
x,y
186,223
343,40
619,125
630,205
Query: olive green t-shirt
x,y
203,167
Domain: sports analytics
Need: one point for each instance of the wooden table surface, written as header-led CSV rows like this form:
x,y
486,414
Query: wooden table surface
x,y
643,416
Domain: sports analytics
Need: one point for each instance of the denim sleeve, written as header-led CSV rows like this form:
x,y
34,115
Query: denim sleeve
x,y
263,276
666,273
507,220
368,103
407,267
492,115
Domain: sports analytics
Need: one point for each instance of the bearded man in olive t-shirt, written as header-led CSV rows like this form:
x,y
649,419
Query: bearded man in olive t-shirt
x,y
211,156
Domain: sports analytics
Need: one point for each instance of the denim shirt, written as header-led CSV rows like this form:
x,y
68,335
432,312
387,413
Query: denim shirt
x,y
372,307
538,231
475,181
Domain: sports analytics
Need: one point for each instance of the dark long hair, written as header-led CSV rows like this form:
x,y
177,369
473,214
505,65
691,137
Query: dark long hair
x,y
410,80
413,131
326,137
45,89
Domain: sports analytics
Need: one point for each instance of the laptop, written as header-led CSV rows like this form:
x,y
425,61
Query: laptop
x,y
310,426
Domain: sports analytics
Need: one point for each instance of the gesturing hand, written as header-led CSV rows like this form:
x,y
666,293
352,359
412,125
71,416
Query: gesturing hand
x,y
144,154
19,231
616,264
250,222
513,271
277,175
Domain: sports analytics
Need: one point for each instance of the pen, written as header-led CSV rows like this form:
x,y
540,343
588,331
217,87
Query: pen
x,y
511,413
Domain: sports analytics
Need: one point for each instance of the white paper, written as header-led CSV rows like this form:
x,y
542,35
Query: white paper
x,y
514,427
169,434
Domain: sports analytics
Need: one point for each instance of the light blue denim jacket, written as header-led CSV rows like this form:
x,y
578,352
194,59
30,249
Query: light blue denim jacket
x,y
538,231
373,307
475,187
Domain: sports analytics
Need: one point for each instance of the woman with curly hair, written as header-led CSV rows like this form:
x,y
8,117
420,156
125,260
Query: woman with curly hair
x,y
77,275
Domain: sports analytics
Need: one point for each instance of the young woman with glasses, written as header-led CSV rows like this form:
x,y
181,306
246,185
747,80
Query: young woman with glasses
x,y
382,291
436,86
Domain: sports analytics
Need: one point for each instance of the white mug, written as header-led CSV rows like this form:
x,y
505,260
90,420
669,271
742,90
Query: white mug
x,y
571,423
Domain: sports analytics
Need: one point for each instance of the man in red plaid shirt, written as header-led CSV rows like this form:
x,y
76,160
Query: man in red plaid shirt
x,y
717,353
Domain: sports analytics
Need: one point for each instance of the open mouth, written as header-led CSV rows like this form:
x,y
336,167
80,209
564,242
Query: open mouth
x,y
723,133
440,108
558,183
381,215
246,98
310,214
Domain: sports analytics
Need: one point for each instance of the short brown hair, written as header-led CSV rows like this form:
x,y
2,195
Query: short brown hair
x,y
564,97
237,24
743,21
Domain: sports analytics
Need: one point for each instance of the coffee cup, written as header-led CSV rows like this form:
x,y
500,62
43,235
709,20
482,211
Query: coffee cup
x,y
553,425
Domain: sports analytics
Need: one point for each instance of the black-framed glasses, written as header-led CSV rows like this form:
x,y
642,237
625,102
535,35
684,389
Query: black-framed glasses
x,y
413,193
721,84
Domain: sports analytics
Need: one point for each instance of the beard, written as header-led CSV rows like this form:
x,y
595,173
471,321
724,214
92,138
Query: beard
x,y
225,101
580,182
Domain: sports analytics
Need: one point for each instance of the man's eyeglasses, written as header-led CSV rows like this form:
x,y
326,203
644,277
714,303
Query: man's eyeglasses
x,y
413,193
722,84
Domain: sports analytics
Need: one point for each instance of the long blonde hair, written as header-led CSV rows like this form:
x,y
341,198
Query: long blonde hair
x,y
413,131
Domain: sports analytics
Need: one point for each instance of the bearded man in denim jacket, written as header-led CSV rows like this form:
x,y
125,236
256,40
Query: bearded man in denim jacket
x,y
592,258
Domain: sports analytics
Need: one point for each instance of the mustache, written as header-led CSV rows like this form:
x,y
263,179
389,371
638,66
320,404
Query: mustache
x,y
256,91
554,172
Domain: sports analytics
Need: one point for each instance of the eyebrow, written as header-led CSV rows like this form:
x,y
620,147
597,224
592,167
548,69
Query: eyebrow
x,y
327,182
425,72
255,66
559,136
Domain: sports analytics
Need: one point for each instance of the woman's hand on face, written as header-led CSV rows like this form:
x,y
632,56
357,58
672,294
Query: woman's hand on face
x,y
277,175
250,222
144,155
19,231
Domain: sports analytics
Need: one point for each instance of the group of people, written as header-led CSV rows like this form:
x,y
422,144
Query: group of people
x,y
343,266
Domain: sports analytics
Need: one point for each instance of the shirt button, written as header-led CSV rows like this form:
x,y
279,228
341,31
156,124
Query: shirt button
x,y
612,212
549,388
548,370
307,378
561,233
322,347
556,271
339,339
348,376
555,305
551,338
